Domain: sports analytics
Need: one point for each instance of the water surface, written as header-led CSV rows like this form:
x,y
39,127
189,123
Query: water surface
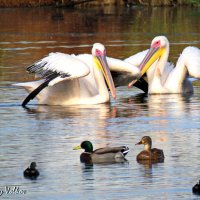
x,y
47,134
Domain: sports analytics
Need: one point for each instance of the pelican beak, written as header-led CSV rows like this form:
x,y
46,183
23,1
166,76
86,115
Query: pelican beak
x,y
106,72
152,55
77,147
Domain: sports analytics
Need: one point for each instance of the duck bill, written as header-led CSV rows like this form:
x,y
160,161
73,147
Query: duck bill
x,y
77,147
152,55
106,72
139,143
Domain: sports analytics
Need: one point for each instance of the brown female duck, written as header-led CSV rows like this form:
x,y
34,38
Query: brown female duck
x,y
154,155
102,155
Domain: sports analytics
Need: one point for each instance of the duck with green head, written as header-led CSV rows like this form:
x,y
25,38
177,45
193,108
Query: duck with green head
x,y
150,154
102,155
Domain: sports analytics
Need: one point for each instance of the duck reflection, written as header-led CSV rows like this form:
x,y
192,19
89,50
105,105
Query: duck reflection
x,y
88,176
146,171
147,164
146,168
87,170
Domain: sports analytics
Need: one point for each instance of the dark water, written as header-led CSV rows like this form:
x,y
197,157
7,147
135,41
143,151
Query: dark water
x,y
47,134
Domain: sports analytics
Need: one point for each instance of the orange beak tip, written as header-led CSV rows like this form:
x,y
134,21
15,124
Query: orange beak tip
x,y
132,83
129,86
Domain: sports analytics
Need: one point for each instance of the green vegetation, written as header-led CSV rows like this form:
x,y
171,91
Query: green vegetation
x,y
165,2
195,2
71,3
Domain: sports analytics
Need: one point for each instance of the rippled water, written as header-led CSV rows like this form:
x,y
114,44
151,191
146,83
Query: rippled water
x,y
47,134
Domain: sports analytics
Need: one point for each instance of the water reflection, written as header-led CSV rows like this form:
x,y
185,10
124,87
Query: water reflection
x,y
78,30
88,177
128,107
47,134
57,15
156,105
146,170
147,164
160,105
101,111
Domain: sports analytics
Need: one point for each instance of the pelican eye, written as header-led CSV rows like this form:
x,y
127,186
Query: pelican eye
x,y
98,52
156,44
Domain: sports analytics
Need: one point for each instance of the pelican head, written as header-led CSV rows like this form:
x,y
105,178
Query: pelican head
x,y
99,53
159,46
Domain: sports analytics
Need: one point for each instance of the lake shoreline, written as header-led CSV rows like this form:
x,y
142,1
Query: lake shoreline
x,y
88,3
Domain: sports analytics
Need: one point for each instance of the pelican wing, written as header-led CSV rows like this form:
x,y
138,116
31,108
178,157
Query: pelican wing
x,y
137,58
59,67
123,79
142,84
122,67
123,72
54,68
192,61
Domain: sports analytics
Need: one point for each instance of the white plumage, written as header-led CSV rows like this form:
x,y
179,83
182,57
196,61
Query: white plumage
x,y
77,79
69,79
164,77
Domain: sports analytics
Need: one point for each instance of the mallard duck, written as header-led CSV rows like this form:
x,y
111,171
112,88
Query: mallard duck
x,y
102,155
196,188
31,172
148,153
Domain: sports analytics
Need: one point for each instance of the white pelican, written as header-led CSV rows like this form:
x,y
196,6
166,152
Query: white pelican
x,y
162,76
75,79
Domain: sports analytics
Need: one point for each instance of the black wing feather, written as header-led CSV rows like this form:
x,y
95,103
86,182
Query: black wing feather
x,y
36,66
35,92
142,85
47,74
123,79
